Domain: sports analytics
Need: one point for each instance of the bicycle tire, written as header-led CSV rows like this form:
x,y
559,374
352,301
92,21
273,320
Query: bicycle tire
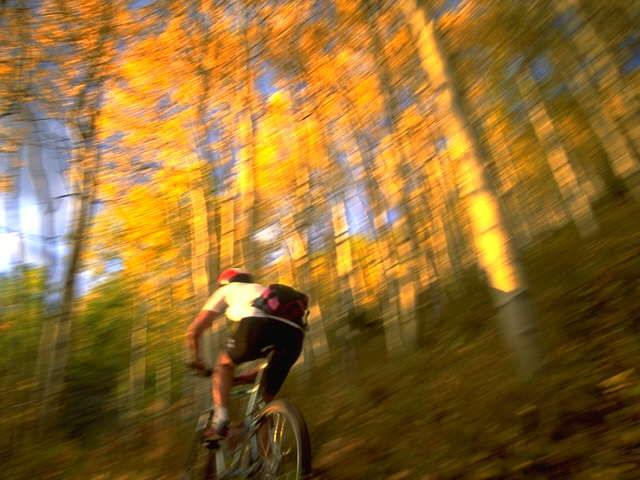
x,y
293,417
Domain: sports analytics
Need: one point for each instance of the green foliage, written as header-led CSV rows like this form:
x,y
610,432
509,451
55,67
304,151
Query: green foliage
x,y
22,295
174,95
99,359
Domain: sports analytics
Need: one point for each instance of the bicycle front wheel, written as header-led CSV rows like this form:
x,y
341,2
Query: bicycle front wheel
x,y
283,440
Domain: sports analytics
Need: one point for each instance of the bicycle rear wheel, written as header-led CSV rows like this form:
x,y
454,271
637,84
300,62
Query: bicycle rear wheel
x,y
283,443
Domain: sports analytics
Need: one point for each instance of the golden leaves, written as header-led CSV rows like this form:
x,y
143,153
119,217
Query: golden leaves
x,y
279,103
6,183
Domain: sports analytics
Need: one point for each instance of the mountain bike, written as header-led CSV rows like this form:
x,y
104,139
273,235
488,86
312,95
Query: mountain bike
x,y
270,443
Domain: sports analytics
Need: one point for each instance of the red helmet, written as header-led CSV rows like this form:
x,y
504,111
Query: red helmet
x,y
233,274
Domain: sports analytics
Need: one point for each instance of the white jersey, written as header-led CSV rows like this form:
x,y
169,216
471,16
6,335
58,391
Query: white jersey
x,y
234,300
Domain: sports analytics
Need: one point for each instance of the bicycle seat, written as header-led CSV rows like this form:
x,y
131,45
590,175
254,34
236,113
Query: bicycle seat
x,y
245,378
248,381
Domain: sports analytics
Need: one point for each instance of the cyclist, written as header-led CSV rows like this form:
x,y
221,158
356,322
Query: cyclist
x,y
256,332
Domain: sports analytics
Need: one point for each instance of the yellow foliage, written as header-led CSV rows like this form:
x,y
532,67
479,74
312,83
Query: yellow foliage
x,y
367,93
6,183
457,19
457,145
347,8
182,290
279,102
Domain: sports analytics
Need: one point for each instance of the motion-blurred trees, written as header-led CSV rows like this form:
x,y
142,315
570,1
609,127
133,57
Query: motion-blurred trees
x,y
376,154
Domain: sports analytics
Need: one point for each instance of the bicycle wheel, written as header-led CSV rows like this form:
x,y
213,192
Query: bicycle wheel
x,y
201,460
283,443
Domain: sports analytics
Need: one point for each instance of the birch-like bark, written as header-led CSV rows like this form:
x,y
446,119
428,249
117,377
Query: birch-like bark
x,y
407,225
624,163
246,220
199,240
557,157
399,316
602,67
446,254
82,121
163,381
40,182
205,201
200,276
510,179
316,345
89,161
13,169
355,281
390,255
495,252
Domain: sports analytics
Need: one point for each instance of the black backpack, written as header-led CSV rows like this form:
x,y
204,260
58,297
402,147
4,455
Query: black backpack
x,y
284,302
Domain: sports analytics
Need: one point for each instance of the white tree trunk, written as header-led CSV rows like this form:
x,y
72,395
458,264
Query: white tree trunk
x,y
620,152
493,245
557,157
603,68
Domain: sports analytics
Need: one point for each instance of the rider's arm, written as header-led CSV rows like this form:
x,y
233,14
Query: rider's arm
x,y
203,321
214,308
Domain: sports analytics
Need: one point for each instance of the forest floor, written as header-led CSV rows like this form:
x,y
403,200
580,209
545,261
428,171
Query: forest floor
x,y
455,409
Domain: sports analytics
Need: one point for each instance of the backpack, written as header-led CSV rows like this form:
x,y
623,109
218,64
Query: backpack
x,y
284,302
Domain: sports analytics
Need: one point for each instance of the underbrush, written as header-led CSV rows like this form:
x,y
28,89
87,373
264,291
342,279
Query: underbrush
x,y
453,409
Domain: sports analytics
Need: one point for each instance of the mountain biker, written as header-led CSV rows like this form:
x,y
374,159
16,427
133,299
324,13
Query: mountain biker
x,y
256,331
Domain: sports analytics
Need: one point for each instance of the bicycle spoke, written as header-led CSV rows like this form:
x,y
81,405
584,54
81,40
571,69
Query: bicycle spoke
x,y
277,435
274,447
280,452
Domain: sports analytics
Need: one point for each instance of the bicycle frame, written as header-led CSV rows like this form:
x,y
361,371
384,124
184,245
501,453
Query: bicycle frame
x,y
230,467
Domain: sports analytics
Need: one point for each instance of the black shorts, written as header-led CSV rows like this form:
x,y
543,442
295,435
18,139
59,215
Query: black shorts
x,y
255,335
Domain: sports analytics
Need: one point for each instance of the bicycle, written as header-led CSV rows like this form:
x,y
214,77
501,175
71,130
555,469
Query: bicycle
x,y
255,449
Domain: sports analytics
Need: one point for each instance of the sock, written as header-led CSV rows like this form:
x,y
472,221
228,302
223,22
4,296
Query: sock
x,y
221,415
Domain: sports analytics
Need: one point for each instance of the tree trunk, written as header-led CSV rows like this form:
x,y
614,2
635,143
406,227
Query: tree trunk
x,y
137,368
207,247
557,157
246,215
623,161
510,180
82,121
495,252
199,273
38,175
89,163
388,250
12,200
602,67
409,223
199,241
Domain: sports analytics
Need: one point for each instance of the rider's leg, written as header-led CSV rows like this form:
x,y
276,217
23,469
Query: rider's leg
x,y
222,380
221,386
287,350
286,353
267,397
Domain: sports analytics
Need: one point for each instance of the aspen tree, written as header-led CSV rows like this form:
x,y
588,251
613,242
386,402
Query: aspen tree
x,y
495,252
246,212
82,119
557,157
601,65
623,162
